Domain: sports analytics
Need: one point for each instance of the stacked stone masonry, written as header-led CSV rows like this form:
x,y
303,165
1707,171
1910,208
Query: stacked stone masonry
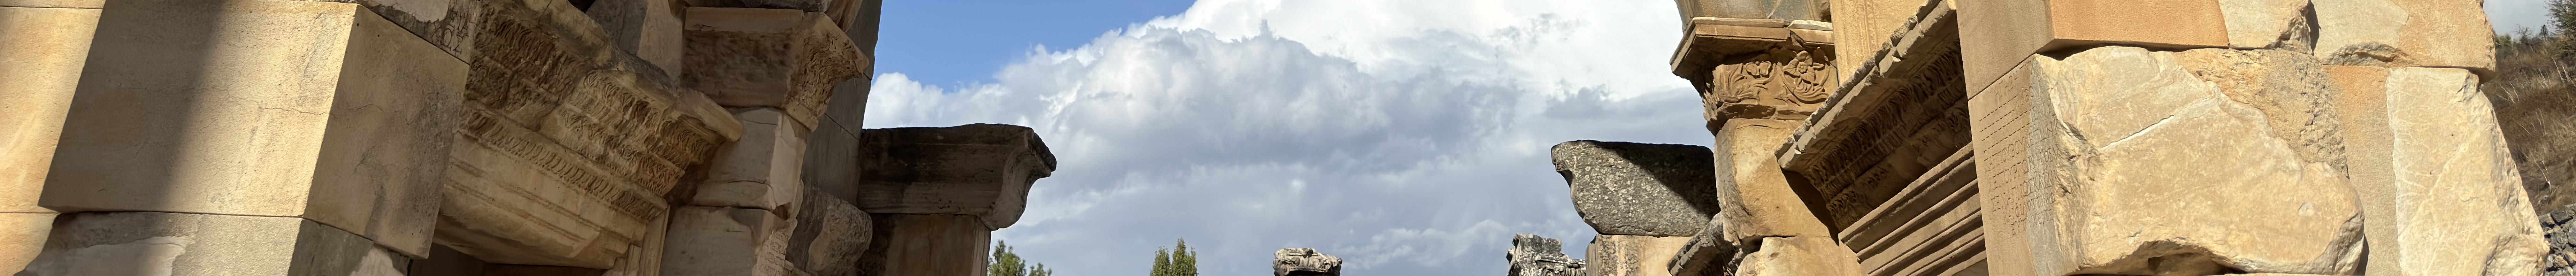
x,y
478,137
2207,137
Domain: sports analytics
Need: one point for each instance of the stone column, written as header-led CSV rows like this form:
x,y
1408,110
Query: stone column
x,y
936,194
46,50
774,68
249,137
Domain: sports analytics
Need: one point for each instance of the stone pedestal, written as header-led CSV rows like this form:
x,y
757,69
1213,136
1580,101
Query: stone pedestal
x,y
926,244
323,111
1624,188
155,243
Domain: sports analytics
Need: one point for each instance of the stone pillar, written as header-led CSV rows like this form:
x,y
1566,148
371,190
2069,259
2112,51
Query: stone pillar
x,y
247,137
936,194
1304,262
45,55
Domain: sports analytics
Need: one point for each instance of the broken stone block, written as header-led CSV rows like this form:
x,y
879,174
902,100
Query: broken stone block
x,y
2127,141
156,243
317,110
22,236
1623,188
1797,256
727,241
830,236
785,59
2438,187
1632,255
46,47
1532,255
1754,197
926,244
569,149
2269,24
981,170
760,171
2405,33
1304,262
649,29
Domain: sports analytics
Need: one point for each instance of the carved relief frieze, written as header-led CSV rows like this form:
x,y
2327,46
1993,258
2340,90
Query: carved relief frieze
x,y
1786,82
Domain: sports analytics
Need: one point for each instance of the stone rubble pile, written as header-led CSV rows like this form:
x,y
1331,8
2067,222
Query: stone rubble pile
x,y
1532,255
1304,262
479,137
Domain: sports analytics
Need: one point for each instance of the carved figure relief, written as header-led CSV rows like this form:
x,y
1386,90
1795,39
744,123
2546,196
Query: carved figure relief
x,y
1787,82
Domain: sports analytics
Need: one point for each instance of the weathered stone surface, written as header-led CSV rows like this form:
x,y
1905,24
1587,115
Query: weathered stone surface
x,y
648,29
1788,81
2124,126
448,24
830,236
1754,198
155,243
926,244
22,236
293,109
46,47
1631,255
1766,9
1797,256
2560,234
2000,116
1623,188
1532,255
1304,262
2434,161
832,154
1898,117
2405,33
1709,253
760,171
982,170
1935,224
727,241
1866,26
2290,88
2269,24
569,148
786,59
538,270
1995,35
645,257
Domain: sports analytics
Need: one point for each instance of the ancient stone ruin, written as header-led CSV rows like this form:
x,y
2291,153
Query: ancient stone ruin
x,y
479,137
2046,138
1304,262
1532,255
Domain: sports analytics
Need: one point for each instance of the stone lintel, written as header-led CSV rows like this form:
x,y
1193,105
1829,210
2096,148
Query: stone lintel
x,y
1623,188
981,170
1902,112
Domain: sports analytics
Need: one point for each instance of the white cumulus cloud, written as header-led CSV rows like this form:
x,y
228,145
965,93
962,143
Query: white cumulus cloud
x,y
1408,137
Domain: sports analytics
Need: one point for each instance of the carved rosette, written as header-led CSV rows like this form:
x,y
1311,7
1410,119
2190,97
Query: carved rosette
x,y
1786,82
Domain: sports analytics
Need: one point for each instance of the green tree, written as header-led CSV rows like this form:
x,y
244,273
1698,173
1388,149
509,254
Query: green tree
x,y
1006,263
1176,261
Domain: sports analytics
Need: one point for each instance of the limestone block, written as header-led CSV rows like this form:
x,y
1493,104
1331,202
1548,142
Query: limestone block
x,y
649,29
983,170
1997,34
449,24
1631,255
786,59
68,4
2405,33
1866,25
569,148
1623,188
2271,24
2135,141
727,241
1766,9
1709,253
155,243
1798,256
293,109
830,236
1754,198
2438,183
46,47
926,244
645,257
1304,262
22,236
762,170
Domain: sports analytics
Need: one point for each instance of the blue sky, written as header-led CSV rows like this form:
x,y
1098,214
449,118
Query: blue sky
x,y
1408,137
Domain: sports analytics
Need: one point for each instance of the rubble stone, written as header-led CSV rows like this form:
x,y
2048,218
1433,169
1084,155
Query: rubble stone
x,y
1623,188
1532,255
760,171
1304,262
